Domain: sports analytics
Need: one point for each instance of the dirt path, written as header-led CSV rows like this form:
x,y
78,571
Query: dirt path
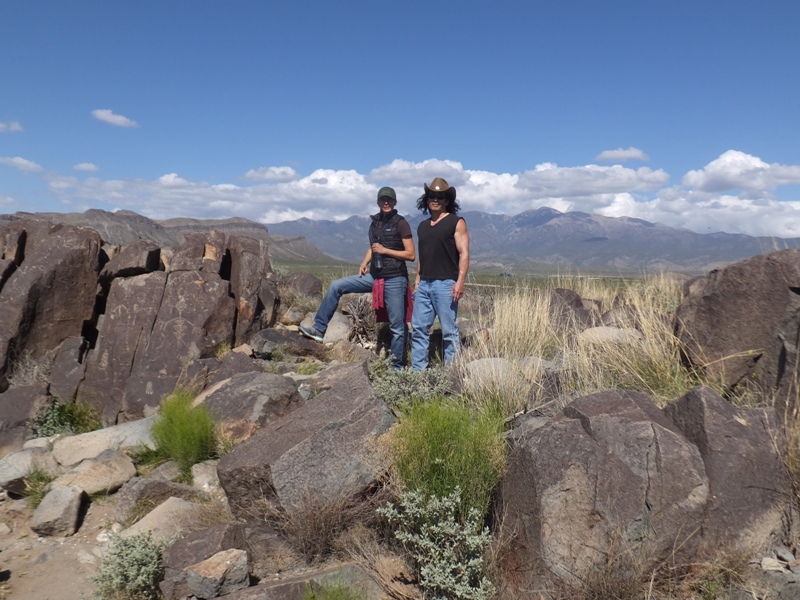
x,y
37,568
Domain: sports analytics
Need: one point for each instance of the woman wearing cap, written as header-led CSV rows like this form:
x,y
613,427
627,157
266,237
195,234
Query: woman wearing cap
x,y
383,268
443,243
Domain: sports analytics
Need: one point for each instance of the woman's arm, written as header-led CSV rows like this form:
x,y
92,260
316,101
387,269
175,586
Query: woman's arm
x,y
364,268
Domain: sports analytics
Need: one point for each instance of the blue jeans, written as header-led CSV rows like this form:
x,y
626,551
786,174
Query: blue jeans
x,y
433,300
394,296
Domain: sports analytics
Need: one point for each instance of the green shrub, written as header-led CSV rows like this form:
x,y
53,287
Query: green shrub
x,y
333,591
131,570
184,433
439,446
448,551
73,417
400,387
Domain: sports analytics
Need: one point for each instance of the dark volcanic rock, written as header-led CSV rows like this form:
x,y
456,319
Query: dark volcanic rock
x,y
195,316
51,295
18,407
131,310
748,484
741,324
252,285
611,470
317,453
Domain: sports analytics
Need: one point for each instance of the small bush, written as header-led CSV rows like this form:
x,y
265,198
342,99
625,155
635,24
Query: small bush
x,y
184,433
333,591
71,418
222,350
400,387
448,550
35,483
439,446
131,570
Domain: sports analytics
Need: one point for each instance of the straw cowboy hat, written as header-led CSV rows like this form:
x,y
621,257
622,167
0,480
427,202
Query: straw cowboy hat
x,y
440,185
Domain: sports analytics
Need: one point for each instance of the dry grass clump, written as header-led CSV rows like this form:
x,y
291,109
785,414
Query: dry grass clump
x,y
528,328
652,365
27,369
314,524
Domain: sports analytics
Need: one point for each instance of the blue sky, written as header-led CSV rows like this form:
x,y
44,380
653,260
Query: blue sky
x,y
684,113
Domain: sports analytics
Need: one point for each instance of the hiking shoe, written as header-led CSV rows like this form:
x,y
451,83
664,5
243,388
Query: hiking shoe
x,y
312,334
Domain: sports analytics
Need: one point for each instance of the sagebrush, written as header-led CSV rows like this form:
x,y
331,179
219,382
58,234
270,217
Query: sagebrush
x,y
446,547
131,570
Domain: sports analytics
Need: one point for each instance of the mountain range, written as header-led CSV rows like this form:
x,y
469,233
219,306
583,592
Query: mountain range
x,y
548,238
535,240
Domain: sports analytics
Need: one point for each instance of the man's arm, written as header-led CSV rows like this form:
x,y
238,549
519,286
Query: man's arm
x,y
462,245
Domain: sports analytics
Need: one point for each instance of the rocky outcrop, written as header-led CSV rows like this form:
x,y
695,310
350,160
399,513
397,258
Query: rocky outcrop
x,y
50,296
126,325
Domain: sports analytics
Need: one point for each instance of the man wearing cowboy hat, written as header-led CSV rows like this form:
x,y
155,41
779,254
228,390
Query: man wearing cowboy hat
x,y
443,243
383,272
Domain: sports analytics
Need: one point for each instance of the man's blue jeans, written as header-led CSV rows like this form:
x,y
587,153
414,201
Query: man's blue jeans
x,y
433,300
394,297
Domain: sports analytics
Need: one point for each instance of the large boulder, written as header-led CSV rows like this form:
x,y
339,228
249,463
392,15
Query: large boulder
x,y
320,451
138,258
741,448
246,402
51,294
610,471
193,548
740,324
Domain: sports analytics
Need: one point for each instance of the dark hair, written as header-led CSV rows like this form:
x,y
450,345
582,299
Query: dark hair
x,y
452,204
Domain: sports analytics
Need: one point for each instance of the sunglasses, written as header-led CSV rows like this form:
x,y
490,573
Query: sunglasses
x,y
436,197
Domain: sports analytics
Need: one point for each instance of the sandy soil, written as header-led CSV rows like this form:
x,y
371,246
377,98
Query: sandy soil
x,y
37,568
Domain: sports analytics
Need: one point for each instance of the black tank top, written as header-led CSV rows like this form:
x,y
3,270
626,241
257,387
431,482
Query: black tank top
x,y
438,255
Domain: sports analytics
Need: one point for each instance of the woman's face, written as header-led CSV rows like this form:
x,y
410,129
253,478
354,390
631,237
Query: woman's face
x,y
386,204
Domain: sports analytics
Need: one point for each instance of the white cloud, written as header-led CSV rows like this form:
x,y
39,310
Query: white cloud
x,y
10,127
551,181
107,116
331,194
88,167
707,213
622,154
277,174
21,163
6,201
737,170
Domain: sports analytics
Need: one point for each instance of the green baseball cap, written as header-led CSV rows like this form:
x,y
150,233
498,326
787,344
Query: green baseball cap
x,y
387,191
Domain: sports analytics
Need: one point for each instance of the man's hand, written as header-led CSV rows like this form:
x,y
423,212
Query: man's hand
x,y
457,291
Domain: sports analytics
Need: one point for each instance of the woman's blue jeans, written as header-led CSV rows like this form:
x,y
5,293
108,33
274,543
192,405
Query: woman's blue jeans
x,y
433,300
394,297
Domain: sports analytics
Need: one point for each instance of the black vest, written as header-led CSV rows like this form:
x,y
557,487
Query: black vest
x,y
383,230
